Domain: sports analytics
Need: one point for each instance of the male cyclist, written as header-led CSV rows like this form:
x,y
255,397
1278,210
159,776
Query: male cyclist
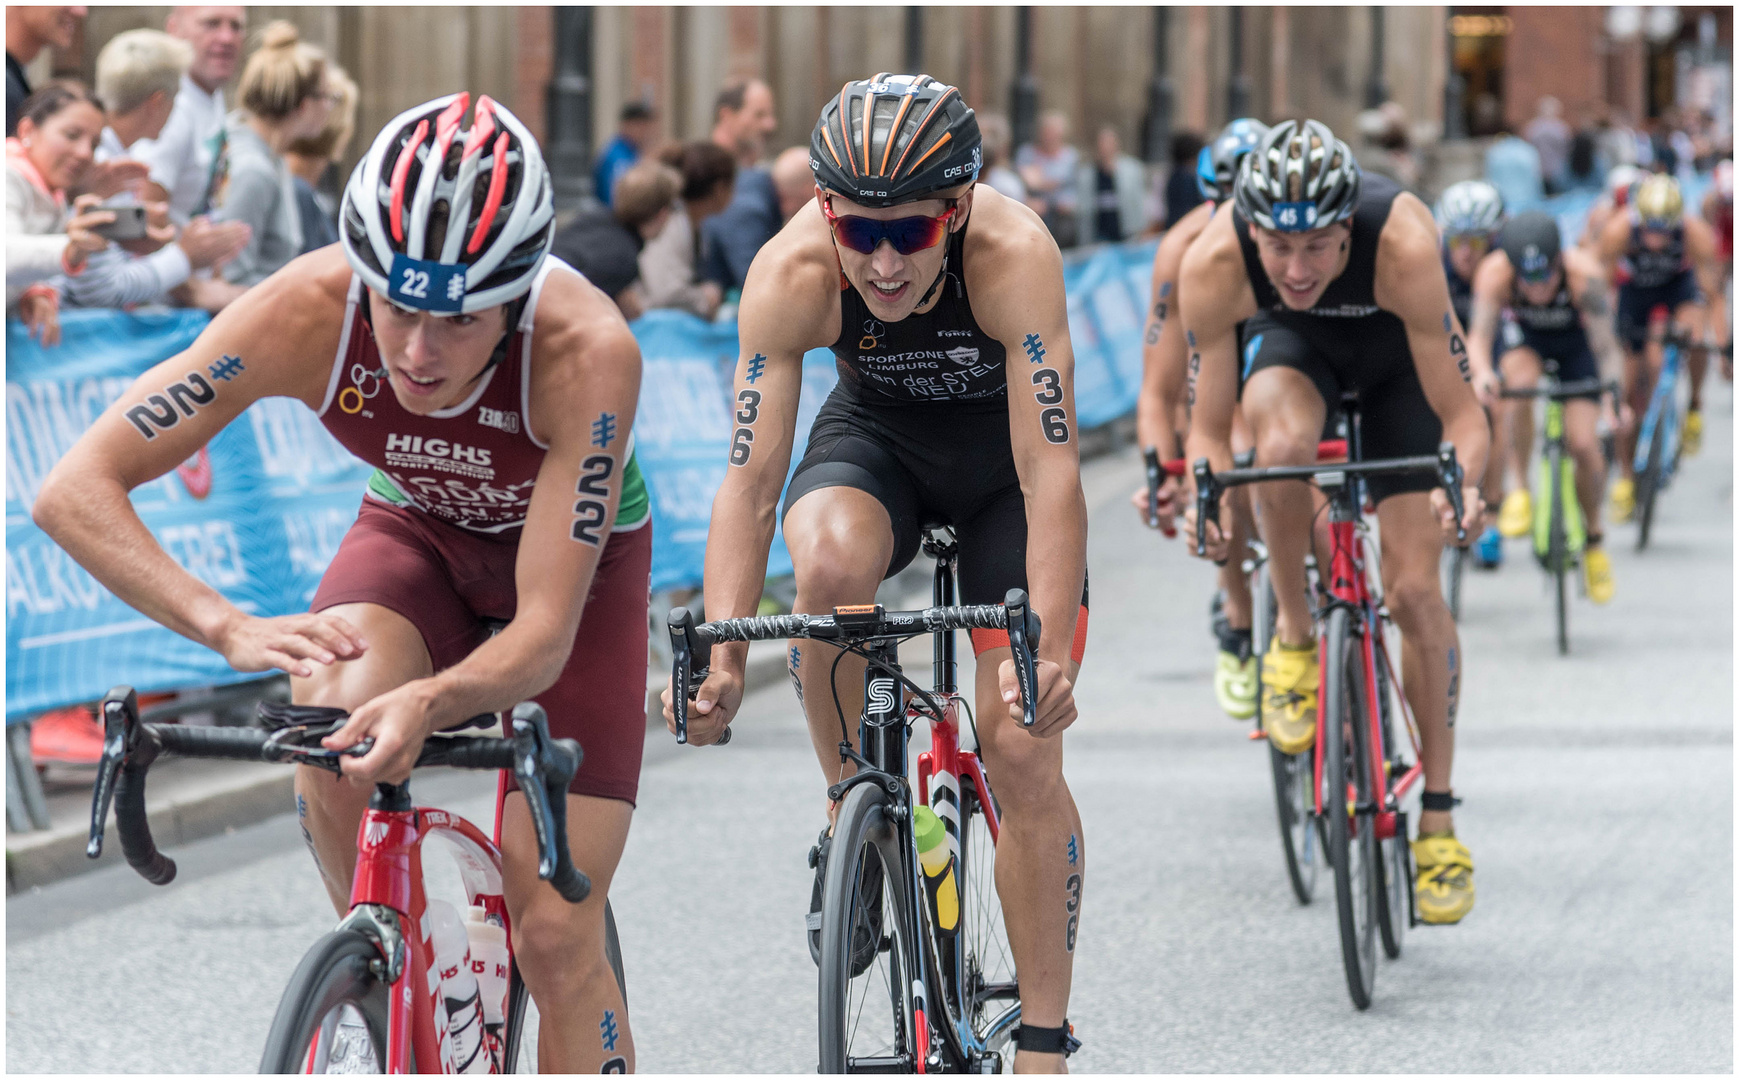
x,y
1160,418
1670,261
1619,180
1341,280
943,303
1469,215
489,385
1558,310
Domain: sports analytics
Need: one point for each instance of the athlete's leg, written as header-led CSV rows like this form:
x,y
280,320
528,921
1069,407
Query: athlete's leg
x,y
1521,370
1286,413
1582,440
1692,318
1431,662
582,1019
841,540
1040,873
330,807
1233,580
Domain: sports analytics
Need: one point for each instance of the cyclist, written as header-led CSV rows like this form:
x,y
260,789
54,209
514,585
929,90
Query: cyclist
x,y
1558,310
1718,212
488,384
1342,283
1159,412
1469,215
1619,181
943,303
1670,261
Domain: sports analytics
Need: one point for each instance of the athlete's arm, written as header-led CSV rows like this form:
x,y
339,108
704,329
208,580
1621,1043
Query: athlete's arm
x,y
1164,360
1612,243
1410,284
1492,282
585,387
277,340
1592,296
1216,298
1706,263
1015,276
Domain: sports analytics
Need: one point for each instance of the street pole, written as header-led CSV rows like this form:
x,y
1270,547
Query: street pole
x,y
1024,107
1376,90
568,144
914,40
1238,85
1157,129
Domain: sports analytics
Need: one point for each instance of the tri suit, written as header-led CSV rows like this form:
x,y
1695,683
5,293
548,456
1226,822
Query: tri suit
x,y
437,538
1346,344
920,420
1554,331
1653,279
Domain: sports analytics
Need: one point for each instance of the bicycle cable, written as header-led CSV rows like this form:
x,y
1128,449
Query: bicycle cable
x,y
934,709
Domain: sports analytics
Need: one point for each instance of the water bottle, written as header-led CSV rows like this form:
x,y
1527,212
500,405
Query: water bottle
x,y
458,988
489,960
935,856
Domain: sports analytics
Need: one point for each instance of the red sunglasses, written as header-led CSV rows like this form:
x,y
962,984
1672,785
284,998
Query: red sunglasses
x,y
907,234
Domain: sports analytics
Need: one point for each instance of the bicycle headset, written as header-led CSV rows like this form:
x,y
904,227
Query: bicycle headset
x,y
463,237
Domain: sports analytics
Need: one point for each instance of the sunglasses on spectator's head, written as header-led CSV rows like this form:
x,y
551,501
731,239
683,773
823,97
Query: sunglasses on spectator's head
x,y
908,234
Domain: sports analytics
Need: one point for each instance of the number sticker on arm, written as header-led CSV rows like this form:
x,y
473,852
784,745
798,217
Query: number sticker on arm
x,y
592,509
1054,420
741,441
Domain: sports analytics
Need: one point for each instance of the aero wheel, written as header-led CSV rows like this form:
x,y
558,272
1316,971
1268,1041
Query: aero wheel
x,y
866,1020
1648,480
1292,777
333,1016
1558,542
519,1041
1352,848
1396,909
979,991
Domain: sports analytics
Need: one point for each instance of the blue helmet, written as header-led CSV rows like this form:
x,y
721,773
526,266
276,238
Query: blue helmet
x,y
1217,164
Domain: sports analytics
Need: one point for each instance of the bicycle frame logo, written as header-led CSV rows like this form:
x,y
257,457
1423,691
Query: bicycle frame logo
x,y
374,833
881,697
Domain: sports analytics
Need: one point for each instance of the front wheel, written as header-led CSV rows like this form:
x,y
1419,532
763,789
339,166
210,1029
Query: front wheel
x,y
1558,543
980,994
1648,481
1352,847
1293,774
333,1016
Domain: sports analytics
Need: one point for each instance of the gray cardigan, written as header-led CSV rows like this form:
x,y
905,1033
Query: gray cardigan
x,y
253,185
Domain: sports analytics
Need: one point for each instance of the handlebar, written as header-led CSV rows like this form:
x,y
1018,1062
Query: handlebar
x,y
1563,390
1211,485
691,642
542,765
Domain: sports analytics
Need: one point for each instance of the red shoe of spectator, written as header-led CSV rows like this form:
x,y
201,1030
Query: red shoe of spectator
x,y
69,736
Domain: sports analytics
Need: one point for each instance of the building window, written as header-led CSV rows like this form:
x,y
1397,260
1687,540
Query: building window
x,y
1477,37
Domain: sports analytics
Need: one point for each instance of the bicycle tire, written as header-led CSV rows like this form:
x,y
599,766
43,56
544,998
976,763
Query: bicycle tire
x,y
519,1041
1352,851
1648,481
333,999
1558,542
864,836
1396,910
975,966
1454,562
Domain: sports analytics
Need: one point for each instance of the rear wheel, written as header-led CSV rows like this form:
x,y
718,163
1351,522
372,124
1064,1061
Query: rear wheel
x,y
519,1041
1396,909
1352,845
1558,542
333,1016
1648,480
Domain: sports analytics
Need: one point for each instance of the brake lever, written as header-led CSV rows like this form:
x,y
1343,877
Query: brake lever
x,y
1207,503
1151,456
1023,640
1449,475
685,678
544,766
120,714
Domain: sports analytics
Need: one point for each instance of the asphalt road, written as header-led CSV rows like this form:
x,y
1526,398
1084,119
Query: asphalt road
x,y
1599,809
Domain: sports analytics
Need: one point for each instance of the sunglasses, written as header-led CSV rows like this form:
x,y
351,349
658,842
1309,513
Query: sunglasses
x,y
908,234
1479,242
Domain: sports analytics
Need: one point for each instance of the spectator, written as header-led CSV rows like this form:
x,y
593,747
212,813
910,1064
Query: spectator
x,y
634,135
1111,192
1385,148
1617,141
1513,167
793,181
181,157
28,31
667,263
1584,166
742,121
1181,193
1047,168
138,75
312,158
994,133
58,128
283,97
1549,135
604,243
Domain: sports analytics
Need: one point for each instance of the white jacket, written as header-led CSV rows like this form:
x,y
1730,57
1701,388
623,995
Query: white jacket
x,y
35,224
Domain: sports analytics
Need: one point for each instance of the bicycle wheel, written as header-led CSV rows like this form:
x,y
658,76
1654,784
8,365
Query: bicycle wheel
x,y
333,1016
1558,542
1352,849
519,1041
866,1019
980,995
1648,481
1396,910
1294,807
1454,561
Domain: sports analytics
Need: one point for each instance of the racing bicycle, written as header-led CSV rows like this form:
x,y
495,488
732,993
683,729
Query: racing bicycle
x,y
1658,439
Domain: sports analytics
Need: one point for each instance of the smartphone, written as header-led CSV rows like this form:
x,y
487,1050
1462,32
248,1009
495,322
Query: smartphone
x,y
129,223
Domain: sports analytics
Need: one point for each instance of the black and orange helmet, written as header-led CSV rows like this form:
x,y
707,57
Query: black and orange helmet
x,y
895,139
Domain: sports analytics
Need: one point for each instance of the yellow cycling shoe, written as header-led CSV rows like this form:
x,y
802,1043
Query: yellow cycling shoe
x,y
1235,685
1691,438
1289,684
1443,888
1516,518
1623,500
1597,572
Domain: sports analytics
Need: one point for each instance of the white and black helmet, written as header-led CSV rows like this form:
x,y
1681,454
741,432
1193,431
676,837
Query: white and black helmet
x,y
1470,208
462,237
1299,177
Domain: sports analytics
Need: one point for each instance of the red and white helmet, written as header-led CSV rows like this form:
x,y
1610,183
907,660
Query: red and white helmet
x,y
399,214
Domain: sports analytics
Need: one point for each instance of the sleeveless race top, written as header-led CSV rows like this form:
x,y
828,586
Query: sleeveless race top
x,y
1460,293
1652,269
940,356
1550,318
472,465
